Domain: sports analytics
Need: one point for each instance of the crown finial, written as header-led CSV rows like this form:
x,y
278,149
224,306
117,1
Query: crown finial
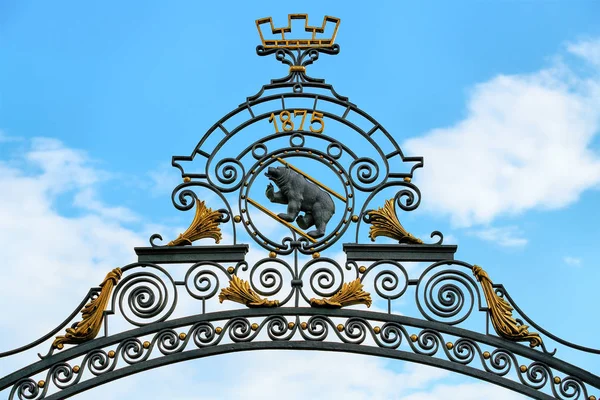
x,y
317,39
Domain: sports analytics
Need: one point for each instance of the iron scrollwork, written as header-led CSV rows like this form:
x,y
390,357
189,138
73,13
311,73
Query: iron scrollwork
x,y
303,303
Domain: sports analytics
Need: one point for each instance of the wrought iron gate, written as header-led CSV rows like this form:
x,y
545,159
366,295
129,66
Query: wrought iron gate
x,y
299,147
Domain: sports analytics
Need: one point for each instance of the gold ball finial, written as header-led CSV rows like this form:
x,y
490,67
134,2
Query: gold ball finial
x,y
592,398
76,369
355,218
316,255
237,219
556,380
449,345
362,269
340,327
303,325
486,354
187,179
111,354
146,344
42,384
407,179
254,326
272,254
377,330
291,325
230,270
218,329
414,337
523,368
182,336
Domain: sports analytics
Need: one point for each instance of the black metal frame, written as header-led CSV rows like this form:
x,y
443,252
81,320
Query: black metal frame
x,y
446,295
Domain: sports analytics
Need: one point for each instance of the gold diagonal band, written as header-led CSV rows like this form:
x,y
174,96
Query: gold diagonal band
x,y
276,218
313,180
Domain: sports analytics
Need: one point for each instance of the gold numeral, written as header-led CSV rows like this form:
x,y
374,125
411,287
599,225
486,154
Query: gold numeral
x,y
287,123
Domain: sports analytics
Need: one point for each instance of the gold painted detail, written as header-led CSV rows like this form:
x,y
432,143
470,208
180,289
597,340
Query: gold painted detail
x,y
292,43
239,291
350,294
92,314
501,313
204,225
276,218
297,68
384,222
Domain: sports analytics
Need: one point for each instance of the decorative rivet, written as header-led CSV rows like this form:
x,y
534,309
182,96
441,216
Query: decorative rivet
x,y
377,330
255,233
407,179
309,152
556,380
111,354
340,327
362,269
186,179
243,210
237,219
321,155
291,325
230,270
316,255
297,151
42,384
182,336
303,325
218,329
349,208
272,254
347,183
350,195
76,369
355,218
247,222
523,368
486,354
449,345
146,344
414,337
254,326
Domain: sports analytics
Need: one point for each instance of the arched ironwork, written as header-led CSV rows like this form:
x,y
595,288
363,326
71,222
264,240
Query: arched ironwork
x,y
298,297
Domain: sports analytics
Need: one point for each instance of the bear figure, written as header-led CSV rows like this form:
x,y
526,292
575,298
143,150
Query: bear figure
x,y
300,195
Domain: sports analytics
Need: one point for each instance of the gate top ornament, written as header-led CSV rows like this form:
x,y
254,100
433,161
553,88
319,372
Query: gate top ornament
x,y
298,168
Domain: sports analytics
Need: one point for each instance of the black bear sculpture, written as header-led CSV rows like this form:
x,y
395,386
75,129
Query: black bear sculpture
x,y
300,195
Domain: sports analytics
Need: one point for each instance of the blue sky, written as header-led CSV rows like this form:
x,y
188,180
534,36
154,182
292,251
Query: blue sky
x,y
501,99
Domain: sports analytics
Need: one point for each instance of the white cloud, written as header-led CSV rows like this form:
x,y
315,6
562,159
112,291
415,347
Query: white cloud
x,y
4,138
506,236
588,49
572,261
524,144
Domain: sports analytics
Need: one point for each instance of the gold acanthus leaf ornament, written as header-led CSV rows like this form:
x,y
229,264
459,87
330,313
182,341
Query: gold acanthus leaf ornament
x,y
239,291
501,313
350,294
384,222
205,225
92,314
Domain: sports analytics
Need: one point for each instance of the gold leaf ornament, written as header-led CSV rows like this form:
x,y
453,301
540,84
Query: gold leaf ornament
x,y
239,291
350,294
385,222
92,314
204,225
500,312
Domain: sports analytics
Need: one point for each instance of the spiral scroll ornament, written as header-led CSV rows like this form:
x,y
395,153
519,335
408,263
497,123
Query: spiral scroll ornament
x,y
446,296
147,296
